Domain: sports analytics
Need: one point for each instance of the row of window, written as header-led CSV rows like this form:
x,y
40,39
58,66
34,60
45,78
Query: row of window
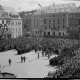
x,y
13,16
36,32
75,22
17,23
8,22
54,15
48,33
74,16
6,29
6,14
54,27
17,29
58,21
45,21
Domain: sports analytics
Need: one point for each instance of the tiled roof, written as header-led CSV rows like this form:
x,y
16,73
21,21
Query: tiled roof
x,y
27,13
9,10
69,7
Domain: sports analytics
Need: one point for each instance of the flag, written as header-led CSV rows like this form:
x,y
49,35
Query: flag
x,y
39,5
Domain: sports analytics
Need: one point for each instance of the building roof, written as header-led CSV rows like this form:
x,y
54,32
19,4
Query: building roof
x,y
9,10
27,13
69,7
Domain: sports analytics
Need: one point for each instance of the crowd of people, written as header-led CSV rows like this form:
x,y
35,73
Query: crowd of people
x,y
48,46
71,66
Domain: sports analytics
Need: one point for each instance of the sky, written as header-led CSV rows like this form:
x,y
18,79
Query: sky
x,y
27,5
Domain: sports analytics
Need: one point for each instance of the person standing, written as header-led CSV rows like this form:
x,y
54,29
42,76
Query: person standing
x,y
9,61
21,59
38,55
1,76
24,58
48,55
42,53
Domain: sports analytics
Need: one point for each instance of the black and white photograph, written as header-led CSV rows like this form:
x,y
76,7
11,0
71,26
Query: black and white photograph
x,y
40,39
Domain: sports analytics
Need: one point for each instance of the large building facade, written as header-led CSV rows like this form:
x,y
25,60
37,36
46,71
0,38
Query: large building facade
x,y
55,20
10,23
26,21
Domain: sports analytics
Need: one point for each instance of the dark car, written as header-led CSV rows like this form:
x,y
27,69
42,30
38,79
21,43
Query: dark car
x,y
8,75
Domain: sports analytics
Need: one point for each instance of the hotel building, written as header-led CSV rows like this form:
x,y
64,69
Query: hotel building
x,y
55,20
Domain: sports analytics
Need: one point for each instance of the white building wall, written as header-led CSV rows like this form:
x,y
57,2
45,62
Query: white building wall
x,y
16,28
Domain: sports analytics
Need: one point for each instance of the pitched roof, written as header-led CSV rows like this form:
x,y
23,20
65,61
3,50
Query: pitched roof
x,y
69,7
9,10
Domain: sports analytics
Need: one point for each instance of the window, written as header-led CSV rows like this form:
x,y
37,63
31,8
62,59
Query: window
x,y
13,30
59,33
2,21
12,23
44,33
63,20
37,23
48,33
44,21
19,23
58,21
3,15
49,26
35,32
16,30
74,16
49,22
64,15
6,29
53,15
26,21
58,27
78,22
0,26
9,22
34,22
63,33
16,23
53,33
6,22
45,27
53,20
38,32
63,26
71,16
53,26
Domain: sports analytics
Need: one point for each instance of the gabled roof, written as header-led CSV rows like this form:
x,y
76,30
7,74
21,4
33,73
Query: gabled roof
x,y
9,10
12,14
